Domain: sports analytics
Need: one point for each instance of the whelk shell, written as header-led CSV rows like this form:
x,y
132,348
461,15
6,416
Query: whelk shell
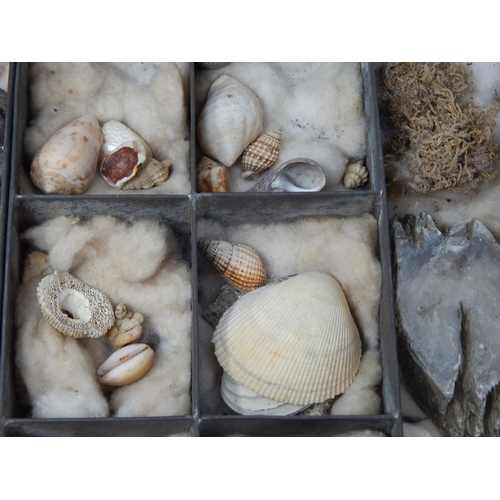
x,y
261,154
239,264
355,175
126,365
230,120
152,173
294,341
211,176
66,164
74,308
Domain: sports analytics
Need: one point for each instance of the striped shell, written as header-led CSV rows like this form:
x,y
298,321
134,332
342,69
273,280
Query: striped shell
x,y
213,65
74,308
230,120
211,177
66,164
238,264
152,173
261,154
294,341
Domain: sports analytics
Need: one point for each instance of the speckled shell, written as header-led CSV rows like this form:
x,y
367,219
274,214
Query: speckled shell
x,y
213,65
294,341
91,309
212,177
66,164
356,174
261,154
238,264
152,173
230,120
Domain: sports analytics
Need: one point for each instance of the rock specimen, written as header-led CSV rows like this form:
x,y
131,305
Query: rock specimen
x,y
448,303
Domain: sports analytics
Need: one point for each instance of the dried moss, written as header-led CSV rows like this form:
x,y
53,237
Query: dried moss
x,y
444,139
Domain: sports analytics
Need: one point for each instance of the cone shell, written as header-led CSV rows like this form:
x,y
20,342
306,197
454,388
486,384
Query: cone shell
x,y
212,177
294,341
261,154
66,164
230,120
238,264
61,293
152,173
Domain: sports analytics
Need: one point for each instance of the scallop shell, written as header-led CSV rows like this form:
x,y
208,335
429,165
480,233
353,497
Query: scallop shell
x,y
213,65
123,152
152,173
294,341
74,308
66,164
261,154
356,174
126,365
238,264
212,177
230,120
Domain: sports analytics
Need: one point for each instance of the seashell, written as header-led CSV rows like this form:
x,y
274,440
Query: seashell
x,y
247,402
126,330
74,308
230,120
126,365
211,176
355,175
120,311
238,264
66,164
152,173
294,341
299,175
212,65
123,152
261,154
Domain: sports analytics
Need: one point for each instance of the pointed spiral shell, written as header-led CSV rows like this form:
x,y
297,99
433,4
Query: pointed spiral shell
x,y
261,154
355,175
152,173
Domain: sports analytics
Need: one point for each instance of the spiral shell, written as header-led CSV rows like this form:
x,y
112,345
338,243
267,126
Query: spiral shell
x,y
238,264
355,175
294,341
213,65
152,173
74,308
66,164
261,154
211,177
230,120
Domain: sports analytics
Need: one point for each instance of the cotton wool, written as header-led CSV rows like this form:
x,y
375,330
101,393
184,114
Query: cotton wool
x,y
147,275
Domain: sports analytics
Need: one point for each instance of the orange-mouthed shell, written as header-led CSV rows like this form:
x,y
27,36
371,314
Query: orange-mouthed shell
x,y
211,177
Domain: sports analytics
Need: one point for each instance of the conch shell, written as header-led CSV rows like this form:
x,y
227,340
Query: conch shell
x,y
211,176
66,164
238,264
355,175
261,154
74,308
294,341
230,120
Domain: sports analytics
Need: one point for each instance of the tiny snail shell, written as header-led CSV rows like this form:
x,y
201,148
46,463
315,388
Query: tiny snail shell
x,y
212,177
126,365
261,154
355,175
152,173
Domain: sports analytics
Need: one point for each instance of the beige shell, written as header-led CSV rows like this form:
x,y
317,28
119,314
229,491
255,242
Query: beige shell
x,y
261,154
211,177
66,164
152,173
126,330
294,341
126,365
74,308
238,264
355,175
244,401
230,120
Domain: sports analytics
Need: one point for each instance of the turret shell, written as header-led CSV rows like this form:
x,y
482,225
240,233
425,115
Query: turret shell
x,y
152,173
355,175
261,154
212,177
294,341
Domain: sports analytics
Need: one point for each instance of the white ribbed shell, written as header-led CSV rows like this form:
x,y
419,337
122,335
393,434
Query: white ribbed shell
x,y
295,341
230,120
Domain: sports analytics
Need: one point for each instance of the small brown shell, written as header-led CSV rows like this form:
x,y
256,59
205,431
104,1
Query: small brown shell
x,y
211,177
152,173
238,264
261,154
355,175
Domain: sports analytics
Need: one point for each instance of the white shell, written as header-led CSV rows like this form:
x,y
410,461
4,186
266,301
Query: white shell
x,y
294,341
212,177
67,162
230,120
355,175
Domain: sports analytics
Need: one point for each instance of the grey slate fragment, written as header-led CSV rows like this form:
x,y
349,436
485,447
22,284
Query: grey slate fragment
x,y
448,307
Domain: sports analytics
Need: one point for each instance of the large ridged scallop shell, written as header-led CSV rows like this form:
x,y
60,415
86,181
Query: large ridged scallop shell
x,y
294,341
261,154
74,308
152,173
211,176
66,164
238,264
230,120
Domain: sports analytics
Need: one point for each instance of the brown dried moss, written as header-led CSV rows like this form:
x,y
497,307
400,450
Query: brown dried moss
x,y
442,137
